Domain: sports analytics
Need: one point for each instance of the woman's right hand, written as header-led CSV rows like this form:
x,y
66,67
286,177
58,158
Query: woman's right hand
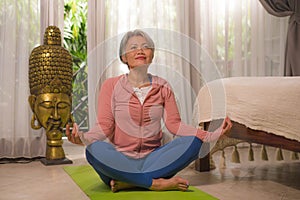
x,y
74,135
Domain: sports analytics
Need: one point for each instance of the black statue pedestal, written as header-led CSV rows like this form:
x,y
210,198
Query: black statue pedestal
x,y
56,161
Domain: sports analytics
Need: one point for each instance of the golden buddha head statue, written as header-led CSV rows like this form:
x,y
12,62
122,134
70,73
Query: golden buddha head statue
x,y
50,81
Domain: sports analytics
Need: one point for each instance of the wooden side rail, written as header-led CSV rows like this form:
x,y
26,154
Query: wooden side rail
x,y
241,132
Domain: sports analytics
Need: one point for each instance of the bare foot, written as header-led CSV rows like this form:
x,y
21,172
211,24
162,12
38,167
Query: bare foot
x,y
118,185
175,183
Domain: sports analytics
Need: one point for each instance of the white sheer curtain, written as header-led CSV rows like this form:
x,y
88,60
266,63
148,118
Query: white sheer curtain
x,y
20,32
239,36
242,38
52,13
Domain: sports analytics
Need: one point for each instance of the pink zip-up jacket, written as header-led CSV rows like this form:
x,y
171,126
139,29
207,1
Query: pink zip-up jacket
x,y
135,128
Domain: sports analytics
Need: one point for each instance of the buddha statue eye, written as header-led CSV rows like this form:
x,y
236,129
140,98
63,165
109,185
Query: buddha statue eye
x,y
47,104
63,105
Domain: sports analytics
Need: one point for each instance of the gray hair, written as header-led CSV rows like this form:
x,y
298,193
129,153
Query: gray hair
x,y
130,34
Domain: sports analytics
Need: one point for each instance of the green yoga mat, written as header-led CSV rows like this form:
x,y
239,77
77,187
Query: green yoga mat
x,y
90,183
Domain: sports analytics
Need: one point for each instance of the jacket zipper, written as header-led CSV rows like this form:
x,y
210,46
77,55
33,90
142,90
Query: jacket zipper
x,y
141,119
141,131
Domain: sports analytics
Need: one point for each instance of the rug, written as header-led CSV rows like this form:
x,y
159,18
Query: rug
x,y
90,183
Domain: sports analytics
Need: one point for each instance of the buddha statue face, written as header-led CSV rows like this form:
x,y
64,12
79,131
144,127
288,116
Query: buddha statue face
x,y
52,110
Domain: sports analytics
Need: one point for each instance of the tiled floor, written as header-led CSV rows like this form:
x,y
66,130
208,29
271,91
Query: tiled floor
x,y
258,180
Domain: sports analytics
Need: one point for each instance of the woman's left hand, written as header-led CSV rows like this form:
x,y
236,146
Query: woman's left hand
x,y
226,126
222,130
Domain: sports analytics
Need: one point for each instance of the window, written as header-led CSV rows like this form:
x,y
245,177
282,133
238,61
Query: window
x,y
75,41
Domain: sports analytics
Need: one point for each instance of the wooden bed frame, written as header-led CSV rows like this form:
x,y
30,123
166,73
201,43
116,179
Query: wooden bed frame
x,y
240,131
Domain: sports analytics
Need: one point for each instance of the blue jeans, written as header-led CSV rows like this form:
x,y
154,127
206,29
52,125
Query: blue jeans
x,y
164,162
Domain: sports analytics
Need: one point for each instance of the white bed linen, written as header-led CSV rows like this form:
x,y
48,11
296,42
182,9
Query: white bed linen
x,y
270,104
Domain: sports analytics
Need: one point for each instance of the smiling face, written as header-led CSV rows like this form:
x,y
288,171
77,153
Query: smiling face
x,y
137,52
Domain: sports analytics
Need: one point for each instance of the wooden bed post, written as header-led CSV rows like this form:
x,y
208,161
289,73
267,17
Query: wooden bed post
x,y
203,164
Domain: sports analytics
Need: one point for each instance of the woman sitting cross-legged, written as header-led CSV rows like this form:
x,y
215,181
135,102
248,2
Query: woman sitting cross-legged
x,y
125,146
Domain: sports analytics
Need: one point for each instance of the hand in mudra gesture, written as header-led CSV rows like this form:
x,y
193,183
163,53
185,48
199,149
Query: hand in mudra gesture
x,y
74,135
222,130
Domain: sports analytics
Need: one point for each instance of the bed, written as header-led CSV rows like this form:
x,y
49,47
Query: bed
x,y
264,110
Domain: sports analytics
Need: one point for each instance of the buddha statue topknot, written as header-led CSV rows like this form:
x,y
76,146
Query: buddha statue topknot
x,y
50,81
